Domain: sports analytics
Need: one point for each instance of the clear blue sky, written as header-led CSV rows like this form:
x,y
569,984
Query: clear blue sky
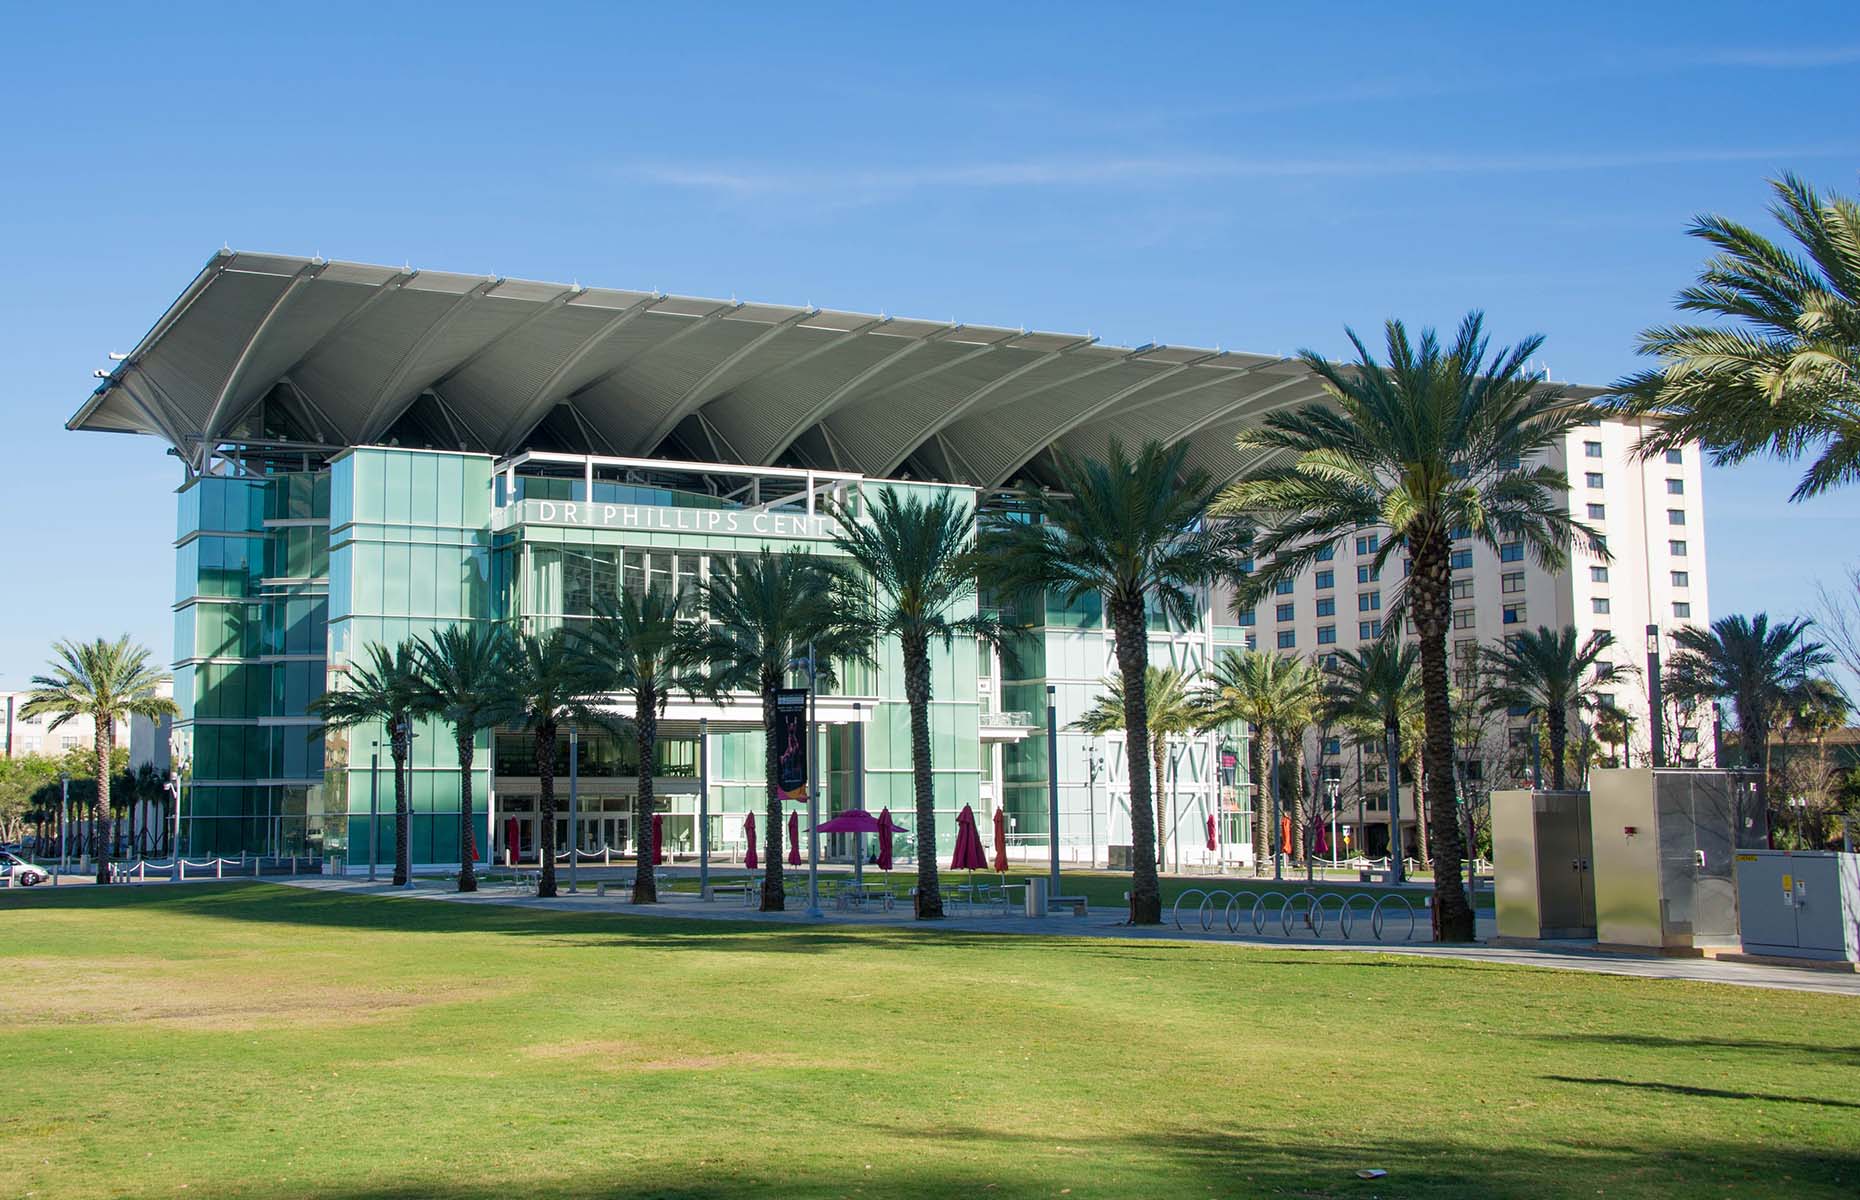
x,y
1255,179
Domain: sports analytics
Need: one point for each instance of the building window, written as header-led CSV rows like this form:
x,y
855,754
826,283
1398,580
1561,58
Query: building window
x,y
1510,462
1368,543
1466,650
1676,548
1368,574
1326,578
1675,456
1288,638
1462,589
1511,581
1594,479
1248,617
1252,641
1675,516
1333,746
1598,512
1598,574
1511,552
1368,601
1462,618
1682,609
1283,587
1461,532
1285,612
1592,449
1327,635
1682,579
1598,604
1326,553
1514,614
1369,629
1460,560
1327,606
1675,487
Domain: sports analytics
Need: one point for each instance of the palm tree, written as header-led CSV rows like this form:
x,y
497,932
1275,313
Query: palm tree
x,y
638,646
1760,669
1436,445
1169,709
550,682
1280,696
107,682
386,690
1783,378
1135,530
1547,671
1613,728
1375,692
767,611
920,560
463,671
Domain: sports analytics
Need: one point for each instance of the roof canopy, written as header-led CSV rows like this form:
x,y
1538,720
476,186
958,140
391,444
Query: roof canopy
x,y
353,353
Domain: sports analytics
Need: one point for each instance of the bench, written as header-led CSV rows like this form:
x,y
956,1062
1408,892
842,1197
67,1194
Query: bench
x,y
1080,905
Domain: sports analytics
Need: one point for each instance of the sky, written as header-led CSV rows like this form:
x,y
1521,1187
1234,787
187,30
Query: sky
x,y
1257,177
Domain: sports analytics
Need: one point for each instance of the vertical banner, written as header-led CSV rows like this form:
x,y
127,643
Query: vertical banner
x,y
791,743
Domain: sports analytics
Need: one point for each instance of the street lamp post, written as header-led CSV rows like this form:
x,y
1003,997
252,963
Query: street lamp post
x,y
1052,784
1093,762
1656,720
811,666
574,820
1397,869
703,808
64,822
1333,791
374,808
1275,836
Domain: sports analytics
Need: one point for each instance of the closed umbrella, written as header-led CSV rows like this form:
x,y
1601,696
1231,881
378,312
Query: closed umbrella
x,y
749,839
794,839
1001,840
969,854
658,838
884,839
1213,841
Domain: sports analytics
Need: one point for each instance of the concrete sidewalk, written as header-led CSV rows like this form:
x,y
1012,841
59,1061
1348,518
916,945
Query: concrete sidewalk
x,y
1108,923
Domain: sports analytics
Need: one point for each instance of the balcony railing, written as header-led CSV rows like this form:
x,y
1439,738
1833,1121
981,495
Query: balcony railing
x,y
1007,720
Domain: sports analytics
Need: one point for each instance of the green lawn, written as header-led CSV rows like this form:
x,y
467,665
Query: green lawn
x,y
245,1040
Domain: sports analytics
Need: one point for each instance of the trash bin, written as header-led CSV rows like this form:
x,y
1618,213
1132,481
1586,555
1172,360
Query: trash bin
x,y
1036,896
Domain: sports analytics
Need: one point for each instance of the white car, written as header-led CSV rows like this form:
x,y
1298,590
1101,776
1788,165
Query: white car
x,y
19,872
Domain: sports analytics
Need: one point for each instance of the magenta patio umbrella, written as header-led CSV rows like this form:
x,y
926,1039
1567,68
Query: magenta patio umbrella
x,y
884,838
658,838
859,822
794,839
1213,841
1001,840
969,853
749,836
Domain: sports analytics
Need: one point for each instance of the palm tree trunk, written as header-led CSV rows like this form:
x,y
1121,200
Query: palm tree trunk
x,y
545,780
1422,851
773,899
1429,593
1558,720
917,694
100,807
646,741
468,838
1301,817
401,744
1159,751
1133,654
1262,802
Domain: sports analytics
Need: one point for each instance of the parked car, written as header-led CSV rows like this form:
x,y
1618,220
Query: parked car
x,y
20,872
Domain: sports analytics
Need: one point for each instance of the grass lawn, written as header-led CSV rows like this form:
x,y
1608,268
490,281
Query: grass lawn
x,y
246,1040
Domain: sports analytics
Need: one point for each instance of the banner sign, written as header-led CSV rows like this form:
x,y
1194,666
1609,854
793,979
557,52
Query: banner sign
x,y
791,743
661,518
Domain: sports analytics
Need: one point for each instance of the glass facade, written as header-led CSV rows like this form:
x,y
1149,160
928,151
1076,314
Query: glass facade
x,y
284,580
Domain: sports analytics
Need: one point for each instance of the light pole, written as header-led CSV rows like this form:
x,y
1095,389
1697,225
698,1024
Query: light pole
x,y
64,822
574,819
1397,869
1537,758
374,807
1052,783
703,808
1333,790
858,795
1656,720
809,665
1276,836
1094,761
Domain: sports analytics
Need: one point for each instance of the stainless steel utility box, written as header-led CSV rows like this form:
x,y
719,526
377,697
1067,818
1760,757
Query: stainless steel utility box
x,y
1541,861
1796,904
1664,842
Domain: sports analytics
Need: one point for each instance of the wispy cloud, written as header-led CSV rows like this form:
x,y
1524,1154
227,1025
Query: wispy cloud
x,y
1776,58
1157,170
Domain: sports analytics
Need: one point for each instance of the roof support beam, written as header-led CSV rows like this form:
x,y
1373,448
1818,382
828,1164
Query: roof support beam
x,y
216,414
695,395
1112,401
151,409
818,412
534,408
379,415
1227,410
693,326
543,309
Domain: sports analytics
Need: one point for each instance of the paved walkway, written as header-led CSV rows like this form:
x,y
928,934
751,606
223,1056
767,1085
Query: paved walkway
x,y
1108,923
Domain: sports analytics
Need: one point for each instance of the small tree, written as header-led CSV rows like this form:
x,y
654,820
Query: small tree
x,y
464,680
1280,696
1547,671
1171,709
107,682
550,682
385,690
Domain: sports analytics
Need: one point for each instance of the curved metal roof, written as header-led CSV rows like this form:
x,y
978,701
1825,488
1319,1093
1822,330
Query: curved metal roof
x,y
500,364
